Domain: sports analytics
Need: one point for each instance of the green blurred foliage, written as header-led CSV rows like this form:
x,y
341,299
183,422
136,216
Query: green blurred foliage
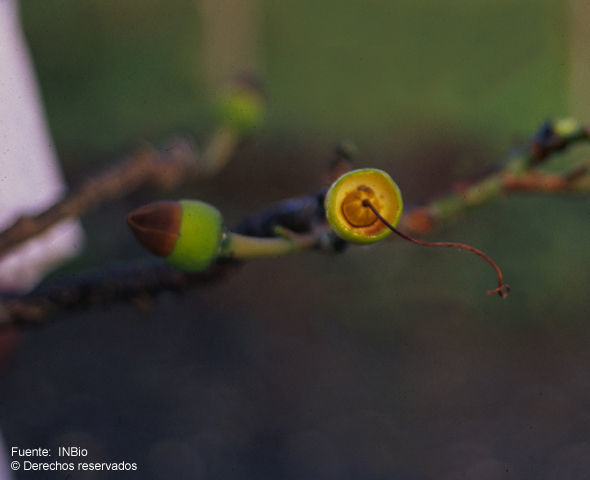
x,y
374,68
116,72
377,71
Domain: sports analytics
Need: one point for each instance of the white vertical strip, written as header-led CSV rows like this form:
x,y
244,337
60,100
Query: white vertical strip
x,y
30,179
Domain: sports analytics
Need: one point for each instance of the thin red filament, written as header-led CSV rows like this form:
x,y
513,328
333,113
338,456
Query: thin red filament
x,y
502,289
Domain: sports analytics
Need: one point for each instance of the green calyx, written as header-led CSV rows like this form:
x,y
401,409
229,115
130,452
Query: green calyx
x,y
199,237
347,213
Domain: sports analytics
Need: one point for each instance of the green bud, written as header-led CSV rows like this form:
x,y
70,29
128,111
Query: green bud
x,y
242,108
567,127
199,238
187,234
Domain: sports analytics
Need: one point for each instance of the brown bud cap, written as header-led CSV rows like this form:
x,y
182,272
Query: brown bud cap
x,y
157,226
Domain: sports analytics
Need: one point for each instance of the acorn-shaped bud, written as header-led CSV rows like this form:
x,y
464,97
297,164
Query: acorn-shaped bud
x,y
242,106
346,205
187,234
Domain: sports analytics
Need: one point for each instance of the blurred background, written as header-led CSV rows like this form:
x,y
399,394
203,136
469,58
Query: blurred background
x,y
386,362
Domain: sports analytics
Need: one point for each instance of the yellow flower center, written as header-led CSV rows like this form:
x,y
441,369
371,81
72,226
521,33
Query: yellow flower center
x,y
353,210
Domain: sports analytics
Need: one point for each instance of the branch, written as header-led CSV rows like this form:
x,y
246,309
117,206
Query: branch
x,y
136,282
576,181
241,112
302,222
520,173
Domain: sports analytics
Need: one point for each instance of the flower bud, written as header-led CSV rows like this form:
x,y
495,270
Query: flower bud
x,y
187,233
242,106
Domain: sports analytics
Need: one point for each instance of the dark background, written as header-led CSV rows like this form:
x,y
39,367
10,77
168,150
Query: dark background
x,y
386,362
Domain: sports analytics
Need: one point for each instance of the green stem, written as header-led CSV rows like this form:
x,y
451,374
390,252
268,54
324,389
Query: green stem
x,y
445,208
244,247
219,150
564,132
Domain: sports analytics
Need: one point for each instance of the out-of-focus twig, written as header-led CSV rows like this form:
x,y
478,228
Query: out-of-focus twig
x,y
423,219
520,173
162,169
133,282
218,151
577,180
